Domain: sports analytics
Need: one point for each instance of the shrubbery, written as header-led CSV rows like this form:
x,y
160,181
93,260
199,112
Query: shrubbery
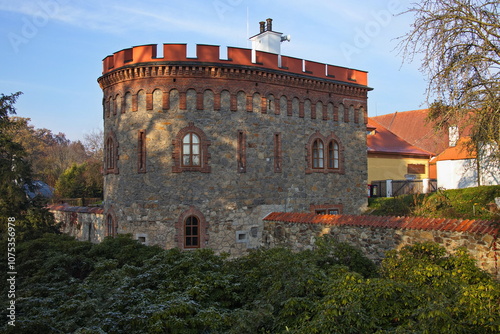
x,y
121,286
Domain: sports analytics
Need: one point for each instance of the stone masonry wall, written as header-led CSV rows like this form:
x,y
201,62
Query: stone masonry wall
x,y
377,235
220,101
84,223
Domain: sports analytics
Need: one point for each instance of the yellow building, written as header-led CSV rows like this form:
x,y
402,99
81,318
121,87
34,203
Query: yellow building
x,y
392,158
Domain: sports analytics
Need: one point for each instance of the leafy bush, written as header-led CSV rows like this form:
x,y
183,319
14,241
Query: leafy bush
x,y
122,286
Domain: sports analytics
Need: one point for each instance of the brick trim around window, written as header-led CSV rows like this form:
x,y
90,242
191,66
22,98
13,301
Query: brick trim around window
x,y
202,228
177,151
141,151
111,154
325,166
327,209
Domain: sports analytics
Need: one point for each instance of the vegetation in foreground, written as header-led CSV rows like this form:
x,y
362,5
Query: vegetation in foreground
x,y
468,203
121,286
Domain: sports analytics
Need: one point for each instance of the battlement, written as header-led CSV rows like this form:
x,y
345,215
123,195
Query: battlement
x,y
235,56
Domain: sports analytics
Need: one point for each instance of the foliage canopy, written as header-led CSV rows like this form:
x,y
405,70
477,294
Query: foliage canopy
x,y
459,41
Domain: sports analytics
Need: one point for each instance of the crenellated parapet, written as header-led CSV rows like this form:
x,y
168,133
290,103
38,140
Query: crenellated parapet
x,y
236,57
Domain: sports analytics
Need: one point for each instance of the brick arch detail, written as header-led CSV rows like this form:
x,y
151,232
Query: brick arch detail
x,y
177,151
203,228
326,140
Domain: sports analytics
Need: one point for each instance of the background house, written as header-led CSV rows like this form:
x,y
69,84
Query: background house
x,y
392,158
453,166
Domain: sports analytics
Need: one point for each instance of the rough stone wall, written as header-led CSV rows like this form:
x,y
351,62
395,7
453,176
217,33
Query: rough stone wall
x,y
85,224
162,101
375,241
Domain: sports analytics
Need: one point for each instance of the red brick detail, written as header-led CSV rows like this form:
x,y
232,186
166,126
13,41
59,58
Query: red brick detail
x,y
149,101
203,227
233,102
134,102
182,101
141,151
289,107
249,103
264,104
199,101
241,154
326,208
111,155
217,101
301,109
278,155
326,141
166,101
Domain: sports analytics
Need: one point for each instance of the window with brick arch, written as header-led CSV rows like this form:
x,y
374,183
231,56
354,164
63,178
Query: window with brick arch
x,y
324,154
318,154
191,150
111,154
333,155
111,227
190,153
192,232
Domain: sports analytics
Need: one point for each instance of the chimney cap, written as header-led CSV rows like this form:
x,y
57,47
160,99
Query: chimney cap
x,y
269,24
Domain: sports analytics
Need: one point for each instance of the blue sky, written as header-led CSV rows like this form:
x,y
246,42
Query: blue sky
x,y
51,50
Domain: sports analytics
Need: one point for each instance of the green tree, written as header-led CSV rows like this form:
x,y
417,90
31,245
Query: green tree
x,y
459,41
15,170
81,180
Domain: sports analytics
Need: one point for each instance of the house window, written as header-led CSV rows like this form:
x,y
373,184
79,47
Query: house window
x,y
141,145
111,155
277,153
324,159
318,154
192,232
191,155
190,151
327,209
241,152
110,226
416,169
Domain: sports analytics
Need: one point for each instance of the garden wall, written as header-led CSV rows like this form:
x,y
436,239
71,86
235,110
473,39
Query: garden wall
x,y
84,223
376,235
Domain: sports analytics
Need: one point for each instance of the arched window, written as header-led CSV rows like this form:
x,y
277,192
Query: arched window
x,y
324,154
318,154
111,227
190,151
333,155
111,154
192,232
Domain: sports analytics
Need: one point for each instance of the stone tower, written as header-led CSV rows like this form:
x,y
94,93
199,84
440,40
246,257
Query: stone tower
x,y
198,150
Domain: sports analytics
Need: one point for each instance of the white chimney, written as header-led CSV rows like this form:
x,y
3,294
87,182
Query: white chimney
x,y
268,40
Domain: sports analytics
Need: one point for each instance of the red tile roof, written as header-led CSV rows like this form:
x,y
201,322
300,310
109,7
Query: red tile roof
x,y
458,152
384,141
407,223
413,127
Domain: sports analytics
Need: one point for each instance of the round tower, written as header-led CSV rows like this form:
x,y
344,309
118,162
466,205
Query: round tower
x,y
199,150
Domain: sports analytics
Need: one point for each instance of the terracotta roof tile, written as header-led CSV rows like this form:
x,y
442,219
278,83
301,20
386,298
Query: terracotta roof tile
x,y
414,223
384,141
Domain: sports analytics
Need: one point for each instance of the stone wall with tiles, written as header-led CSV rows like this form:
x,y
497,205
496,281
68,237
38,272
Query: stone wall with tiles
x,y
278,112
83,223
377,235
